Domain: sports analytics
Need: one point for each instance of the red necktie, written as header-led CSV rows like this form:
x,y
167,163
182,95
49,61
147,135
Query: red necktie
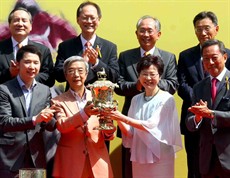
x,y
87,44
214,89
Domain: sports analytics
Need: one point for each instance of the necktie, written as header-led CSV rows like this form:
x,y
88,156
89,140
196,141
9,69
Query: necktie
x,y
146,53
214,89
19,45
87,44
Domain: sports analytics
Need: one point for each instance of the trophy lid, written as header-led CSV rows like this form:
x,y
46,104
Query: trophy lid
x,y
102,82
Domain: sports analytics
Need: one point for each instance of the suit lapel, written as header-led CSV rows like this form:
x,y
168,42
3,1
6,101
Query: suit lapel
x,y
197,61
136,56
8,51
20,95
222,89
70,102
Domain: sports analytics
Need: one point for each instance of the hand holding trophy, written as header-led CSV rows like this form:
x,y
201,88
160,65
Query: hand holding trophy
x,y
102,93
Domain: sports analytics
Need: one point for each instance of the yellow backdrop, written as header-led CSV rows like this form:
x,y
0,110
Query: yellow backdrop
x,y
118,25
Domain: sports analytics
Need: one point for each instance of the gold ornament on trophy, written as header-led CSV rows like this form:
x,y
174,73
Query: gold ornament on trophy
x,y
102,93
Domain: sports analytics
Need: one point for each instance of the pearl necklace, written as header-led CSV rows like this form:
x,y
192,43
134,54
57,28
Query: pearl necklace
x,y
148,98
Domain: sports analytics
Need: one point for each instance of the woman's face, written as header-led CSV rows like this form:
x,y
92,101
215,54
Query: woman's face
x,y
149,77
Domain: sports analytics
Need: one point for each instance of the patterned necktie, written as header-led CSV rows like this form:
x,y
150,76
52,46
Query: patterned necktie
x,y
214,89
146,53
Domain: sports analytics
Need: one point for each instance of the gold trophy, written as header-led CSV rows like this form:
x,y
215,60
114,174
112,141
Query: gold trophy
x,y
102,93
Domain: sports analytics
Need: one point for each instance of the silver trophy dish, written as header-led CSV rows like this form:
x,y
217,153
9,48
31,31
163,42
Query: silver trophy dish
x,y
102,93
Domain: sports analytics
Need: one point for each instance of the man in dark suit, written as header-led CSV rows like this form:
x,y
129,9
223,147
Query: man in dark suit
x,y
99,52
209,113
190,71
148,31
24,115
20,25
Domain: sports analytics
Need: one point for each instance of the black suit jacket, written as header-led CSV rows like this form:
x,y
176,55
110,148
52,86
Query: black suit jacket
x,y
108,59
45,75
17,132
216,133
128,74
190,72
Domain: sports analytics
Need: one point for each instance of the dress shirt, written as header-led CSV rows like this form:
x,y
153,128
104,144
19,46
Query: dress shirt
x,y
81,102
15,47
151,51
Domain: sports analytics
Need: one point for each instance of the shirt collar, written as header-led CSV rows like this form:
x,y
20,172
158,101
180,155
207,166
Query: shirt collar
x,y
151,51
24,42
78,98
92,40
221,75
22,84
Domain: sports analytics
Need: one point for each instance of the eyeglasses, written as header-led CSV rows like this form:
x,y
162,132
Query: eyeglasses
x,y
149,31
206,29
86,19
73,71
151,75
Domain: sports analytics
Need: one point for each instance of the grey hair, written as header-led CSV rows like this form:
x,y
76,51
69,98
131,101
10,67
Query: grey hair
x,y
72,59
157,22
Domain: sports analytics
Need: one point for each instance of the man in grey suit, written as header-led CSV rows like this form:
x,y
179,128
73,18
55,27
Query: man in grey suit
x,y
210,112
24,115
148,31
20,25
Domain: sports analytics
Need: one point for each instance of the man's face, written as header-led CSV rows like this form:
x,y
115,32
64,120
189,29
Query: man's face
x,y
205,30
76,75
88,20
147,34
214,60
20,25
29,67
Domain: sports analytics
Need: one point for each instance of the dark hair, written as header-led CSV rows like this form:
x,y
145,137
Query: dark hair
x,y
206,14
79,9
146,61
28,49
10,17
214,42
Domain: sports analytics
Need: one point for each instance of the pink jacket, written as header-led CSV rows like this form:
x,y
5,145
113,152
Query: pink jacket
x,y
75,142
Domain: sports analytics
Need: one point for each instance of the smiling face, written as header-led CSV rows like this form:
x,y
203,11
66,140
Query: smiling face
x,y
214,60
29,67
20,25
76,75
88,21
149,78
147,34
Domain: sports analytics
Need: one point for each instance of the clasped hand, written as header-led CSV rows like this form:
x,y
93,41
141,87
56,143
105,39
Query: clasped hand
x,y
200,109
90,55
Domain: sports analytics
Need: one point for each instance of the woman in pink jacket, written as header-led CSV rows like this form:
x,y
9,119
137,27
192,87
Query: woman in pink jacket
x,y
81,151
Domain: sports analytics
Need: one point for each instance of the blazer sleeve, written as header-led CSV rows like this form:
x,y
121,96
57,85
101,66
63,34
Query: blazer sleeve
x,y
185,90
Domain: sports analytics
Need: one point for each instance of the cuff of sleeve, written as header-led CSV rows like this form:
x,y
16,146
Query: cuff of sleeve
x,y
95,65
34,120
84,116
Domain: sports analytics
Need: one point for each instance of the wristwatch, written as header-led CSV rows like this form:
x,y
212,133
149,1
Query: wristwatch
x,y
212,114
